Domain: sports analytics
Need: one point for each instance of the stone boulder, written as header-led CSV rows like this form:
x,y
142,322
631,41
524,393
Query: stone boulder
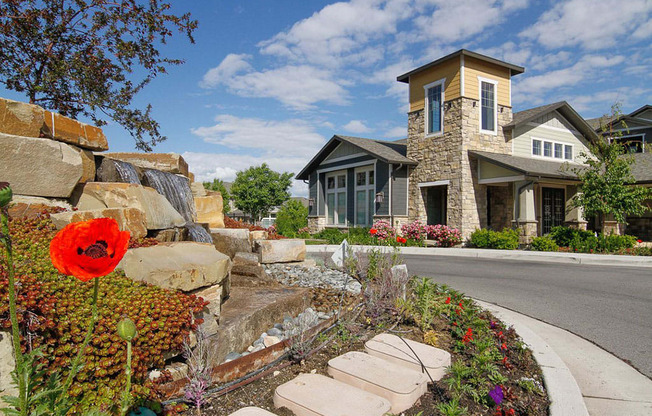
x,y
170,235
166,162
247,272
22,119
129,219
231,240
215,296
32,206
7,364
257,235
209,210
281,251
183,266
40,167
88,165
197,189
159,213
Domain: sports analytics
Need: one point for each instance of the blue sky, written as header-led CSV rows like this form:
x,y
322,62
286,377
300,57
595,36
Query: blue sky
x,y
272,80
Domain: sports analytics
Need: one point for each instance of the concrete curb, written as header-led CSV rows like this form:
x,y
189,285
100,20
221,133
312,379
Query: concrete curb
x,y
534,256
563,391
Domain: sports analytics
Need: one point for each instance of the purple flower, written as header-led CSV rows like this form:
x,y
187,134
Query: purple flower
x,y
496,395
492,325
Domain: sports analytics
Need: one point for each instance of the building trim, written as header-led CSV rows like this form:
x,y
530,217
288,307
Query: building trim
x,y
501,179
543,126
493,132
462,75
426,107
350,165
435,183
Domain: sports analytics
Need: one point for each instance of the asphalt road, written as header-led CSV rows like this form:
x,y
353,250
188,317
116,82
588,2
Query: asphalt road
x,y
609,306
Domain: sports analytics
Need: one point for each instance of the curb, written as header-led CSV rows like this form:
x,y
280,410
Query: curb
x,y
535,256
563,391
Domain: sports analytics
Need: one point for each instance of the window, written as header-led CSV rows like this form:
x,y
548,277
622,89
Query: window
x,y
364,196
434,110
633,144
488,106
336,198
536,147
556,150
547,149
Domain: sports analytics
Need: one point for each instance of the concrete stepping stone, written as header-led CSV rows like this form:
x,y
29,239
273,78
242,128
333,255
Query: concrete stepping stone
x,y
318,395
252,411
400,385
392,348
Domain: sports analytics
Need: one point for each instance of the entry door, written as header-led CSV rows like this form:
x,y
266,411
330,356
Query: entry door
x,y
553,206
436,205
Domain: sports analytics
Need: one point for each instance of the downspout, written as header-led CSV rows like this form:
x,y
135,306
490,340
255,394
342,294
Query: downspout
x,y
518,200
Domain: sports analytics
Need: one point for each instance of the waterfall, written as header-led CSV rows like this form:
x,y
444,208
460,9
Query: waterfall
x,y
175,189
127,171
198,233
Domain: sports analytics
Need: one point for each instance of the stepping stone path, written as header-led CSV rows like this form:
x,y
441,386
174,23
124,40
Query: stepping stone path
x,y
387,378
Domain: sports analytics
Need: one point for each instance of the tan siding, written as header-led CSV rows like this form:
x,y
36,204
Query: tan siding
x,y
490,171
523,135
473,68
449,70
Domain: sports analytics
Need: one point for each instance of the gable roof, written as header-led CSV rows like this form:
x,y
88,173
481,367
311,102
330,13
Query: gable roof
x,y
514,69
640,110
528,166
595,123
389,152
563,108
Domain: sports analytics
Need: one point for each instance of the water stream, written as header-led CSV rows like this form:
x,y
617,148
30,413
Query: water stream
x,y
198,233
127,171
175,189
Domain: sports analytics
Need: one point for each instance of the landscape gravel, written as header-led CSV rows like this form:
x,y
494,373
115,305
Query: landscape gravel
x,y
323,277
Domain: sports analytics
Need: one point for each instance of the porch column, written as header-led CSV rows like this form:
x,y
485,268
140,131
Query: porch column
x,y
611,226
524,210
574,215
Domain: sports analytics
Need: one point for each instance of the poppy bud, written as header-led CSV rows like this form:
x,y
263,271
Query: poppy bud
x,y
5,194
127,329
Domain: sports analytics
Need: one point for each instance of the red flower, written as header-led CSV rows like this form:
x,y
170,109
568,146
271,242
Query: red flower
x,y
89,249
373,231
401,240
639,241
448,300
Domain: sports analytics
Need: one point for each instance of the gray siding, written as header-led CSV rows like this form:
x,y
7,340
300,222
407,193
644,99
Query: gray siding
x,y
399,191
312,193
350,195
342,150
382,185
326,165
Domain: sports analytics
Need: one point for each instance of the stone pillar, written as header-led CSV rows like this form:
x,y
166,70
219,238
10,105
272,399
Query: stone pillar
x,y
524,210
316,224
611,226
574,215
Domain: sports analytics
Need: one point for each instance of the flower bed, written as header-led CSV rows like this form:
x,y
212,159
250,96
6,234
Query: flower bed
x,y
271,231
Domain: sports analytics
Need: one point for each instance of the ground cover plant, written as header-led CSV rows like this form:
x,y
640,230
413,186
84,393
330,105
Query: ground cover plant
x,y
53,311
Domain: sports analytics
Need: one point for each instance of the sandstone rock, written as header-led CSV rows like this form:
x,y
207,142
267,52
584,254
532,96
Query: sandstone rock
x,y
215,295
7,364
129,219
28,120
245,258
231,240
171,235
39,167
257,235
247,272
271,340
159,213
185,266
209,327
209,210
197,189
32,206
166,162
281,251
191,176
88,165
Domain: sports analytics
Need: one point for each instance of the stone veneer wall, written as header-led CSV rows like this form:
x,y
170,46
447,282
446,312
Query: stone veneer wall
x,y
316,224
502,207
446,157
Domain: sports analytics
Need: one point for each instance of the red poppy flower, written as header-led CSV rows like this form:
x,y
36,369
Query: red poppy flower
x,y
639,241
448,300
401,240
373,231
89,249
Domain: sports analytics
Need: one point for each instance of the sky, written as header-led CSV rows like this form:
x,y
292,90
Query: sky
x,y
271,81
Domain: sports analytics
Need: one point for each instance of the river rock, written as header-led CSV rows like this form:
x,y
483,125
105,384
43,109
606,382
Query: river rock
x,y
28,120
166,162
209,210
184,266
281,251
39,167
129,219
231,240
33,206
159,213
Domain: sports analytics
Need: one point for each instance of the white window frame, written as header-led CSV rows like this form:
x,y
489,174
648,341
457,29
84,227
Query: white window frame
x,y
495,84
552,143
367,187
336,191
426,123
629,136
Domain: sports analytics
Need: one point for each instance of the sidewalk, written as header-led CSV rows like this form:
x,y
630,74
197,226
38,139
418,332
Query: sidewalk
x,y
581,377
536,256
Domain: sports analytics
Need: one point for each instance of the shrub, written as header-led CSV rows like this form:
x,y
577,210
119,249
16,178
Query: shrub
x,y
563,236
586,242
506,239
332,235
291,217
55,311
360,235
545,243
385,233
443,235
415,231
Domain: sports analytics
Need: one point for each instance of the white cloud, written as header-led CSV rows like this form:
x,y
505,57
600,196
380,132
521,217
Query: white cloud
x,y
356,126
399,132
227,69
599,103
591,24
288,137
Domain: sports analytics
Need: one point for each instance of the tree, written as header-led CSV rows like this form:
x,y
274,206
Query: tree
x,y
607,182
218,185
89,57
291,218
258,189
